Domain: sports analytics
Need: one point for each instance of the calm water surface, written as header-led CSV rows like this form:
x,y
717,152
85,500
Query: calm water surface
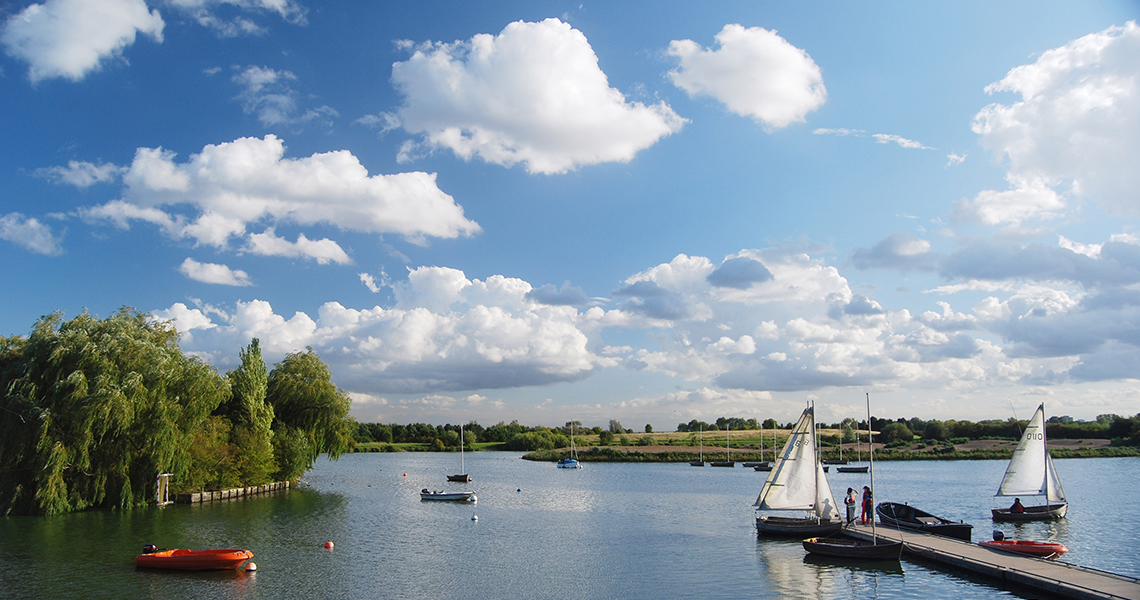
x,y
606,531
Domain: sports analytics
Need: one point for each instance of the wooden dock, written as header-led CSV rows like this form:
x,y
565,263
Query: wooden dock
x,y
1014,571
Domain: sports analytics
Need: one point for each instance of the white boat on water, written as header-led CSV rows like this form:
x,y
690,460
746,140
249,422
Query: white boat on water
x,y
797,483
572,462
1031,473
435,496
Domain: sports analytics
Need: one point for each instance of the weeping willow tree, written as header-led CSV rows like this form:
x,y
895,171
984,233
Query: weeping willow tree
x,y
91,410
310,413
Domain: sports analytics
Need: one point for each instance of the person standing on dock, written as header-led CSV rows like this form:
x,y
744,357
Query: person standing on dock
x,y
868,505
850,501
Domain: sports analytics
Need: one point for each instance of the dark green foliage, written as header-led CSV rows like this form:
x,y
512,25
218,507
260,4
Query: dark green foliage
x,y
311,413
606,438
648,428
251,437
895,432
94,409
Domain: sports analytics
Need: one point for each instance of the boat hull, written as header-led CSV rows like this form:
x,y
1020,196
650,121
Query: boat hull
x,y
568,463
696,463
847,548
768,525
723,463
447,496
909,517
862,469
1038,549
1045,512
762,468
194,560
463,478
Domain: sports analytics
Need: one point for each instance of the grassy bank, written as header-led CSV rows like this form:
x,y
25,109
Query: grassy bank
x,y
660,454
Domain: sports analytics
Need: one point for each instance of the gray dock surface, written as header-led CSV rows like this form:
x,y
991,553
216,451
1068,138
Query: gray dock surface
x,y
1012,570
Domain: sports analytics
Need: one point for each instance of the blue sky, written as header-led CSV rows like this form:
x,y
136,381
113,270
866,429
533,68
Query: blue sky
x,y
642,211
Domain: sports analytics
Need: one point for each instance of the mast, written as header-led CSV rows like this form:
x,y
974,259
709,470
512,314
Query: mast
x,y
871,451
462,464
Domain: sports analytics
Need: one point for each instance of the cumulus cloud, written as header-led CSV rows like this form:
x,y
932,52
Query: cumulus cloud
x,y
739,273
566,296
71,38
213,273
324,251
1075,129
487,335
532,94
30,233
754,72
227,187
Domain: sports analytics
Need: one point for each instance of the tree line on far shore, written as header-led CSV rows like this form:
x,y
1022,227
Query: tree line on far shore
x,y
91,411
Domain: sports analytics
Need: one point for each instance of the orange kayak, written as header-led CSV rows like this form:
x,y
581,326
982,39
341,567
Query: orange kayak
x,y
1041,549
193,560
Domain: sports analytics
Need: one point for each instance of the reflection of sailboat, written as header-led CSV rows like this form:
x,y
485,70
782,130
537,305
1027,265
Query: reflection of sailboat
x,y
861,549
727,462
462,477
701,462
797,482
1031,473
572,462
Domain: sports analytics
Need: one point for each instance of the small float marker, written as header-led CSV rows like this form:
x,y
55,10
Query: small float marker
x,y
329,545
405,474
249,566
474,517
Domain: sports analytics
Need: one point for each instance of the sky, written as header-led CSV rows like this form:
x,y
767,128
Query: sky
x,y
644,211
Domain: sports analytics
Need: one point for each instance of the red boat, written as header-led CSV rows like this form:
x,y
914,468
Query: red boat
x,y
1039,549
193,560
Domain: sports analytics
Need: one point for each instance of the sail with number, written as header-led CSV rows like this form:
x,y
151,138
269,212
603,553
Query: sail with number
x,y
797,481
1031,471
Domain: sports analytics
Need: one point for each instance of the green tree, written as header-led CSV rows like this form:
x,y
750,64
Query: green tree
x,y
251,419
895,432
93,409
310,414
648,428
615,426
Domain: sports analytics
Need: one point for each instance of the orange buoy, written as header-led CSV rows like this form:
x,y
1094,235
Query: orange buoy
x,y
329,545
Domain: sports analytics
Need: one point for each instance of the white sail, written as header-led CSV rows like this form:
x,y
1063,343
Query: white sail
x,y
1031,471
797,481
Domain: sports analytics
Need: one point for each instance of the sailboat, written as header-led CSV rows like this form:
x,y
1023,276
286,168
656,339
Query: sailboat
x,y
462,477
727,462
572,462
861,549
797,482
843,467
763,465
701,462
1031,473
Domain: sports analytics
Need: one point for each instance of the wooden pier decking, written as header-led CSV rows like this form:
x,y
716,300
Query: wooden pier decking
x,y
1013,570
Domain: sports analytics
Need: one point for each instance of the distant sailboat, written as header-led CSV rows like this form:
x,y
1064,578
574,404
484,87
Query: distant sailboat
x,y
572,462
701,462
1031,473
859,468
727,462
797,483
462,476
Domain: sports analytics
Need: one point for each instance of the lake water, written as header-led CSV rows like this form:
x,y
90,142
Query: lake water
x,y
606,531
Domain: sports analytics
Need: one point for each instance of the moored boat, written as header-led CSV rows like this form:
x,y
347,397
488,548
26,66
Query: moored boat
x,y
797,483
909,517
849,548
462,476
572,461
851,469
447,496
1038,549
192,560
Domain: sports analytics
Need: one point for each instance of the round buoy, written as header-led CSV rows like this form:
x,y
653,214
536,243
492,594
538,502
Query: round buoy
x,y
519,490
329,545
249,566
474,517
405,474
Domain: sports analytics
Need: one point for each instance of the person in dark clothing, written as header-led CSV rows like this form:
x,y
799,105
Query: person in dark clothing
x,y
850,500
1017,506
868,506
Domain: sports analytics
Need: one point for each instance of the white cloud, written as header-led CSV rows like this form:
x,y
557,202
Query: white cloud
x,y
532,94
269,94
213,273
1076,128
1024,201
82,174
953,160
29,233
205,13
886,138
841,132
71,38
236,184
323,251
755,73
